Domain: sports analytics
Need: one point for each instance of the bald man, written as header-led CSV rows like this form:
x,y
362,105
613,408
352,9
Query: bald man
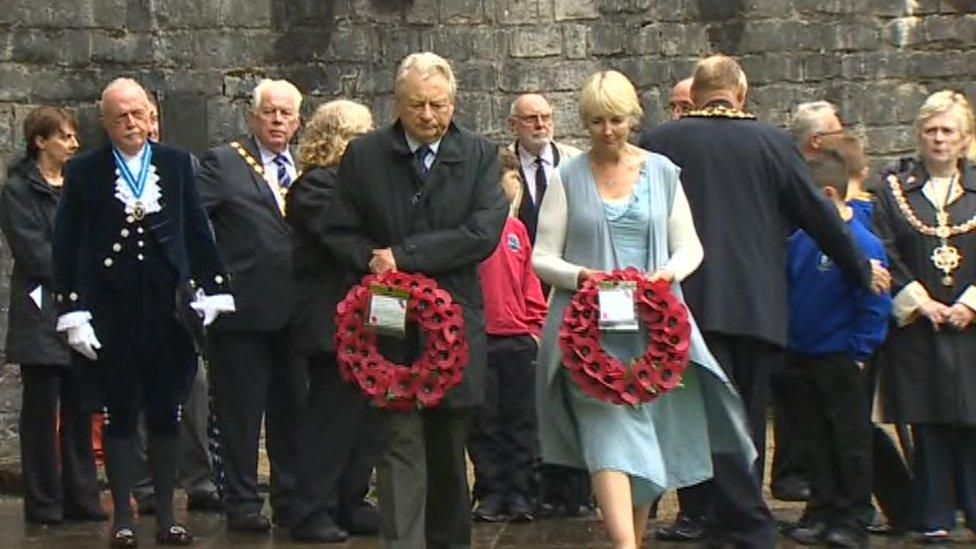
x,y
680,103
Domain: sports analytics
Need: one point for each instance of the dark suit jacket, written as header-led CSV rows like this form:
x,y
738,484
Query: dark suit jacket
x,y
252,236
748,188
27,208
442,224
126,271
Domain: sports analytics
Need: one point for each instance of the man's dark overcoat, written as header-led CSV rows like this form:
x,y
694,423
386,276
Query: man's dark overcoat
x,y
125,272
28,205
441,224
748,188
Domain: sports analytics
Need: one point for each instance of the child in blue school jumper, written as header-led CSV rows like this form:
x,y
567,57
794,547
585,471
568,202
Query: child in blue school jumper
x,y
835,325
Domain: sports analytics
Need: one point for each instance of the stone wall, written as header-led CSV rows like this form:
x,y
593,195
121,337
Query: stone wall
x,y
877,59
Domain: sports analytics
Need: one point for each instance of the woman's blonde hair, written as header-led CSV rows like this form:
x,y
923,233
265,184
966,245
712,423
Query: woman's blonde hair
x,y
948,101
331,128
609,93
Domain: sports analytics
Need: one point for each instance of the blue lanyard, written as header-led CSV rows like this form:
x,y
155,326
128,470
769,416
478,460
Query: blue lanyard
x,y
137,186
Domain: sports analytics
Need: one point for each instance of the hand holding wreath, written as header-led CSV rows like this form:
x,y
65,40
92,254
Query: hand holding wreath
x,y
650,375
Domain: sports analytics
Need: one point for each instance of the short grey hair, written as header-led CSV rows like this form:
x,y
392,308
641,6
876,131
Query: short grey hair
x,y
257,96
808,119
513,109
426,64
118,84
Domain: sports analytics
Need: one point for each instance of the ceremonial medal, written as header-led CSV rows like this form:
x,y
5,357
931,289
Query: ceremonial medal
x,y
135,183
945,257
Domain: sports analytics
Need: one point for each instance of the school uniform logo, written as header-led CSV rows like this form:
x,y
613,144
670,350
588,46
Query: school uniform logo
x,y
513,242
824,263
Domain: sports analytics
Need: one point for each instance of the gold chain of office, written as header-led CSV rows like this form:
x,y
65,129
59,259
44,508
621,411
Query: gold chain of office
x,y
721,111
945,256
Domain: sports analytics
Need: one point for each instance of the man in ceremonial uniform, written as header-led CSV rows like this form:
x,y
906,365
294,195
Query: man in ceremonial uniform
x,y
253,373
748,187
421,195
130,231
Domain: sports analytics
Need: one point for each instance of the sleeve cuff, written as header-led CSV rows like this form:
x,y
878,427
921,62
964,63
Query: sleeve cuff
x,y
73,320
968,297
222,302
904,306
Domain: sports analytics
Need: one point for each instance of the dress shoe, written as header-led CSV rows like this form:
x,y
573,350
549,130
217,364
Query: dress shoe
x,y
684,528
176,534
490,508
248,522
880,527
845,536
938,536
326,532
362,519
204,501
123,537
791,489
811,533
519,509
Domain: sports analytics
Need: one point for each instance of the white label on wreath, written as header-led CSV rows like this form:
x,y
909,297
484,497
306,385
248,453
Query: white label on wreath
x,y
617,307
388,314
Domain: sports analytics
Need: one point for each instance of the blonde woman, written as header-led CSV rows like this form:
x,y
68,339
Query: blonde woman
x,y
926,217
612,207
336,452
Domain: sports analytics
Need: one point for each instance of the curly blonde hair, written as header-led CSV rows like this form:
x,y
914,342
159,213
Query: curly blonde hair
x,y
333,125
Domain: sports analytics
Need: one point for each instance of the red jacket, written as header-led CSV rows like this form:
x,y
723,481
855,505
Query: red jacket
x,y
514,304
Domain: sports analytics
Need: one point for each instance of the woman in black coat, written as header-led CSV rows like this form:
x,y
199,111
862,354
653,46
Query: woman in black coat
x,y
54,489
337,447
926,217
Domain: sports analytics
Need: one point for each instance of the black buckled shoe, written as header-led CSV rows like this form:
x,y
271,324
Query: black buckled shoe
x,y
123,537
176,534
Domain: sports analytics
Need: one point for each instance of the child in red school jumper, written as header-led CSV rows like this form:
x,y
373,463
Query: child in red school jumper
x,y
503,438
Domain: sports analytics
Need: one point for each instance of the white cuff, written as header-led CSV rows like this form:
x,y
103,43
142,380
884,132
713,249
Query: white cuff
x,y
221,302
904,306
73,320
968,297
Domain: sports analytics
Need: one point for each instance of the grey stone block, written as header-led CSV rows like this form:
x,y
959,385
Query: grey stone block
x,y
575,9
462,43
423,12
535,41
520,12
461,11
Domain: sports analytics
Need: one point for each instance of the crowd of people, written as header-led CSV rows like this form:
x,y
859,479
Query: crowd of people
x,y
154,288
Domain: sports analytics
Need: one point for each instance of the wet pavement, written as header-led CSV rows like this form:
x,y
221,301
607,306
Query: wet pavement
x,y
210,532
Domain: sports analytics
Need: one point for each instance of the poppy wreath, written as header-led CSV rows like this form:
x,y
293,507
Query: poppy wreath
x,y
648,376
387,384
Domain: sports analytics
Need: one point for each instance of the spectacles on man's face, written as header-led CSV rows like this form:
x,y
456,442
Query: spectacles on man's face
x,y
533,119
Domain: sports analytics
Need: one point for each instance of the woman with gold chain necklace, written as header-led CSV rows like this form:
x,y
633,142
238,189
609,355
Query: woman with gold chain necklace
x,y
926,217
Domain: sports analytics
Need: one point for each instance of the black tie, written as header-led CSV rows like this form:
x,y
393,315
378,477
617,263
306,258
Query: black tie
x,y
540,181
422,152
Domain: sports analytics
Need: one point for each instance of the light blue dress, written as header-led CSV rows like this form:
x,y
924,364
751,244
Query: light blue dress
x,y
663,444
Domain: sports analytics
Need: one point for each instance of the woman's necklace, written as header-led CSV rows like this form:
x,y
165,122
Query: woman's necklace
x,y
945,256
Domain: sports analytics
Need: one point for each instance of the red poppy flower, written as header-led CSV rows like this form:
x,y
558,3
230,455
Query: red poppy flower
x,y
668,376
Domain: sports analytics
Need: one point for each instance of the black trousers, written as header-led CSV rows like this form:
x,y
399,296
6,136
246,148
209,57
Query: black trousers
x,y
732,500
945,475
253,377
196,475
789,463
891,481
503,434
422,480
56,458
835,436
338,445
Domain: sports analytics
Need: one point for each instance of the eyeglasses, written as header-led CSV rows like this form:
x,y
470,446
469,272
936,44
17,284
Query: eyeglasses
x,y
534,118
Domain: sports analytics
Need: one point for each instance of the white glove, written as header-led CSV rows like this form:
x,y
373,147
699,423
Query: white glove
x,y
210,306
82,338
